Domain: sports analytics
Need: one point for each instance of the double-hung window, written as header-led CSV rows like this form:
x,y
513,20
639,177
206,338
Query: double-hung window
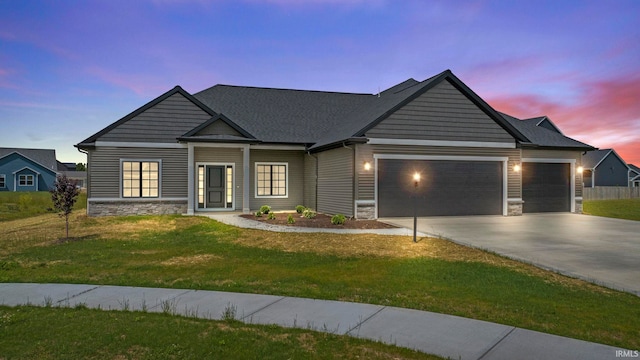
x,y
272,180
3,181
25,180
140,179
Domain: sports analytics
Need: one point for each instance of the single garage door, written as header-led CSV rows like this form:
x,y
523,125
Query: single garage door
x,y
546,187
446,188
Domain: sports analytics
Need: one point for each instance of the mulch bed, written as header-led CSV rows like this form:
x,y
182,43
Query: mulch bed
x,y
320,221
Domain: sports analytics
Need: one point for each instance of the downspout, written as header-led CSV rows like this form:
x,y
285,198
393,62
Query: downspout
x,y
88,177
353,179
315,200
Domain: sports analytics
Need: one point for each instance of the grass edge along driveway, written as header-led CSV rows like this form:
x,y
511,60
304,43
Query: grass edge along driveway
x,y
433,275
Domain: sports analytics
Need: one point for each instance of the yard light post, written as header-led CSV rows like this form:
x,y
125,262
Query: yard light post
x,y
416,181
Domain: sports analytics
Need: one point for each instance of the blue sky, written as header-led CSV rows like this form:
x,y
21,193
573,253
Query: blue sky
x,y
70,68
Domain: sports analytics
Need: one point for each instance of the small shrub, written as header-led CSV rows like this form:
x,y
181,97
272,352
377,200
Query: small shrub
x,y
290,219
338,219
258,214
300,209
271,216
24,202
265,209
309,214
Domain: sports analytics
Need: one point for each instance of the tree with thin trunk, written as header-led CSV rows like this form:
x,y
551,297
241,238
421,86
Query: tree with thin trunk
x,y
64,195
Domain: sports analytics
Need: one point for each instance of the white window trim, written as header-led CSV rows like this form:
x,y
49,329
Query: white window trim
x,y
255,180
26,180
159,161
4,181
195,200
503,159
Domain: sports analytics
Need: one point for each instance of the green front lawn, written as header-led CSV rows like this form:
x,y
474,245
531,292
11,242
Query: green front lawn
x,y
433,275
621,209
19,205
63,333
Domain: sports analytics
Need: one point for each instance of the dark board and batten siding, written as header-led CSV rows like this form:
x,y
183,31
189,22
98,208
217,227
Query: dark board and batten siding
x,y
105,170
295,161
443,113
160,123
335,181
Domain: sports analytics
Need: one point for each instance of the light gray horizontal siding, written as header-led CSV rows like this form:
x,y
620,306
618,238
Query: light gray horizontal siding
x,y
366,179
226,156
104,170
310,164
442,113
163,122
559,154
295,161
335,181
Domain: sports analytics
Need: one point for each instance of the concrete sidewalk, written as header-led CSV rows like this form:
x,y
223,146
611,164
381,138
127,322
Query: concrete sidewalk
x,y
444,335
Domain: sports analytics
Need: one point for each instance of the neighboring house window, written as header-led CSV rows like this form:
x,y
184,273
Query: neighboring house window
x,y
271,179
3,183
140,179
25,180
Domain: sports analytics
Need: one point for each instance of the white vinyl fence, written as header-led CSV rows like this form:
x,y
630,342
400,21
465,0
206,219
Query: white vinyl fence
x,y
610,193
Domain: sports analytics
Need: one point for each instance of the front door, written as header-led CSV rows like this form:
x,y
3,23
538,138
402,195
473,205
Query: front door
x,y
215,186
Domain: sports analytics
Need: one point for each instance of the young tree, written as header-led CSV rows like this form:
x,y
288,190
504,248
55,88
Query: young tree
x,y
64,195
81,167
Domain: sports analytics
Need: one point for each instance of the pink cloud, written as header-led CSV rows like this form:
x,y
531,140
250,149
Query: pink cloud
x,y
606,113
140,84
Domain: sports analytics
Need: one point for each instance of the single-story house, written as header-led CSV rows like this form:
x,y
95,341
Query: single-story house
x,y
69,169
604,167
27,169
634,175
235,148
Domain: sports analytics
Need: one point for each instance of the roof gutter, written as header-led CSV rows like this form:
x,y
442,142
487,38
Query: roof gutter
x,y
340,143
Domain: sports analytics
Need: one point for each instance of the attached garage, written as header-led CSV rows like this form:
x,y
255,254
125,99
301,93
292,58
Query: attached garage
x,y
448,187
546,187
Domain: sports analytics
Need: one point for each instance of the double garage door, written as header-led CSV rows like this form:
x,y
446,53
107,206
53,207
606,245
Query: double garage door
x,y
460,188
446,187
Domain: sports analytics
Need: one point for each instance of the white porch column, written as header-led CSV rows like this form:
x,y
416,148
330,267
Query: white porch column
x,y
190,179
246,173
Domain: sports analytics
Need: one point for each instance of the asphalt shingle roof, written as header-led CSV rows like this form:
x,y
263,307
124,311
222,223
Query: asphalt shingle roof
x,y
319,119
44,157
544,137
592,158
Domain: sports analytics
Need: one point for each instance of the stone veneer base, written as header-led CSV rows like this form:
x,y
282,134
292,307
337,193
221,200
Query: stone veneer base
x,y
121,208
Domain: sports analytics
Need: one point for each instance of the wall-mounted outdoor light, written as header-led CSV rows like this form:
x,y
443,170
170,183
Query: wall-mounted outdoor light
x,y
517,168
580,169
367,166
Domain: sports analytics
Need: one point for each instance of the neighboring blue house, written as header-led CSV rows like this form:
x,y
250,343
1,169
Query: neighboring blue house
x,y
634,176
27,169
604,168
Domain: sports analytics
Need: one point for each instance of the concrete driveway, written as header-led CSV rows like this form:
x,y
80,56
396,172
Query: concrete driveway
x,y
597,249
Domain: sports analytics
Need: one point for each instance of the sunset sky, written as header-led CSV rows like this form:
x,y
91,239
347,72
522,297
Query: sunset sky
x,y
70,68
